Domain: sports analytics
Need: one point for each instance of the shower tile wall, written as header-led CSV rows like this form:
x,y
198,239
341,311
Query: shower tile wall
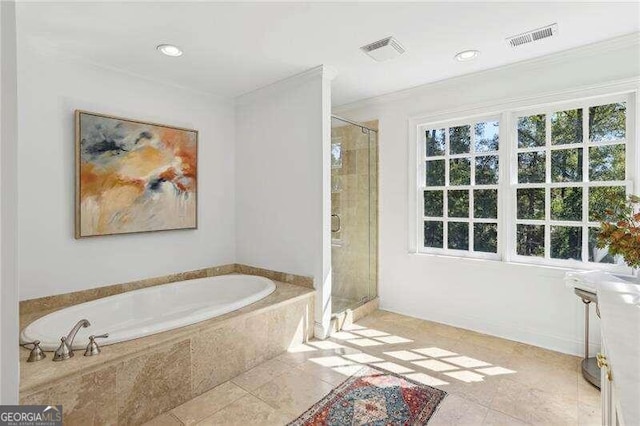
x,y
354,198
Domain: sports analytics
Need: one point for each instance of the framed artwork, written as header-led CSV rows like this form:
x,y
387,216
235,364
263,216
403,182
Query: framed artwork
x,y
133,176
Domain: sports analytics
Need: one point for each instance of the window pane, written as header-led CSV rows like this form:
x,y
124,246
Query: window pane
x,y
336,155
487,136
566,203
459,139
434,173
607,122
607,162
458,236
459,171
433,203
530,203
487,170
458,203
485,237
485,203
433,234
531,131
531,167
595,254
566,242
566,127
435,142
604,197
566,165
530,240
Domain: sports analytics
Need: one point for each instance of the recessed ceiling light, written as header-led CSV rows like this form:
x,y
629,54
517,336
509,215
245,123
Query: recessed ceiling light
x,y
169,49
467,55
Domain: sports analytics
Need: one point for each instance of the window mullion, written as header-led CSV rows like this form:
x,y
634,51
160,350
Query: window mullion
x,y
586,189
547,190
445,195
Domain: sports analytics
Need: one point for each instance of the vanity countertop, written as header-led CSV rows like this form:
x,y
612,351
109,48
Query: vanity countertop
x,y
619,304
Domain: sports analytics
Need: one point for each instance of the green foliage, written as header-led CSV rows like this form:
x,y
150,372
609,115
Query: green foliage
x,y
458,203
485,237
531,131
459,171
566,127
459,139
607,122
458,236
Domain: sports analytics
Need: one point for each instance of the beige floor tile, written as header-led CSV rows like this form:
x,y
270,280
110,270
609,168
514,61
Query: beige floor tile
x,y
480,392
491,342
543,374
496,418
247,410
208,403
166,419
295,357
293,392
589,415
261,374
521,385
455,410
533,405
587,393
333,375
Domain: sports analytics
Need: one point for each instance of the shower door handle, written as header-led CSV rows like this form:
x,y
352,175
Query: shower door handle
x,y
339,223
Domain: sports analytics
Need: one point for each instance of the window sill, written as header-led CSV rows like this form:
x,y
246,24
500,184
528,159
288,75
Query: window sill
x,y
497,263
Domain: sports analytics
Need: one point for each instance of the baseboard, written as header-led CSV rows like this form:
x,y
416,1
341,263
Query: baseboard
x,y
522,335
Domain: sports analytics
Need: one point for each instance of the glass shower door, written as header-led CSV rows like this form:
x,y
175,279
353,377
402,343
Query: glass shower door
x,y
353,214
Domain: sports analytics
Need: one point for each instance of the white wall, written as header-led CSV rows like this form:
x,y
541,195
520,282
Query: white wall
x,y
520,302
51,261
9,368
282,136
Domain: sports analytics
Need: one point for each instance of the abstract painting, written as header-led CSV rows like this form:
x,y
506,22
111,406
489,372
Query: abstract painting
x,y
133,176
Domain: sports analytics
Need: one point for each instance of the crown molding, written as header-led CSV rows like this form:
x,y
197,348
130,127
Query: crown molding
x,y
621,42
321,71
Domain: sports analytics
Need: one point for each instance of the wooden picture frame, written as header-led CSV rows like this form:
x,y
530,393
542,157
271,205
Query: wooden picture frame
x,y
133,176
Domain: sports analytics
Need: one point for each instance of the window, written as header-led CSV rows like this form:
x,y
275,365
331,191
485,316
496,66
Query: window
x,y
570,166
563,165
459,191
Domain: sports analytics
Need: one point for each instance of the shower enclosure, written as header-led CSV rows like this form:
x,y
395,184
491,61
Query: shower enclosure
x,y
354,213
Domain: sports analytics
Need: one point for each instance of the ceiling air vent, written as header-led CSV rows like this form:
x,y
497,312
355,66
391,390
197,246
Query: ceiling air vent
x,y
383,50
534,35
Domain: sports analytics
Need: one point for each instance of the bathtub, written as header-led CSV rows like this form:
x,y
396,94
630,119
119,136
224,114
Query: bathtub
x,y
151,310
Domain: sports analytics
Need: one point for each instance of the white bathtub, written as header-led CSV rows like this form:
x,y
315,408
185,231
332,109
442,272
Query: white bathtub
x,y
151,310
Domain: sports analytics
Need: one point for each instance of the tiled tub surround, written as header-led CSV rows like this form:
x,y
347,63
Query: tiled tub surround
x,y
59,301
134,381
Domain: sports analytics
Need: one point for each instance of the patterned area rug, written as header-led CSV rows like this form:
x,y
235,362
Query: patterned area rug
x,y
374,397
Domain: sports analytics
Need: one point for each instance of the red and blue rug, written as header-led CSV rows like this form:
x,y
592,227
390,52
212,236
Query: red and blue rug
x,y
376,398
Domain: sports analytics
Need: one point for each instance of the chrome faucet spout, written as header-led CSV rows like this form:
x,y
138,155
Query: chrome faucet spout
x,y
72,334
65,350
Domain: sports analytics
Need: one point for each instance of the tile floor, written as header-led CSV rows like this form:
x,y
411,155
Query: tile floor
x,y
490,381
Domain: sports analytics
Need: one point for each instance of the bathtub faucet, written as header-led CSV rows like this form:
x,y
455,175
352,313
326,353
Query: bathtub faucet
x,y
65,350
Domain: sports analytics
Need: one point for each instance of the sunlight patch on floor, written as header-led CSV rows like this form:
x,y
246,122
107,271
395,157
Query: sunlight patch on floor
x,y
331,361
371,333
365,342
363,358
405,355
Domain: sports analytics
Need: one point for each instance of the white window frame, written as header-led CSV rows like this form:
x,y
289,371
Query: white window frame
x,y
507,113
584,224
471,155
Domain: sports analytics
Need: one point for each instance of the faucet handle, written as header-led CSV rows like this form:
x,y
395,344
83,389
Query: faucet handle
x,y
92,347
36,353
63,352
